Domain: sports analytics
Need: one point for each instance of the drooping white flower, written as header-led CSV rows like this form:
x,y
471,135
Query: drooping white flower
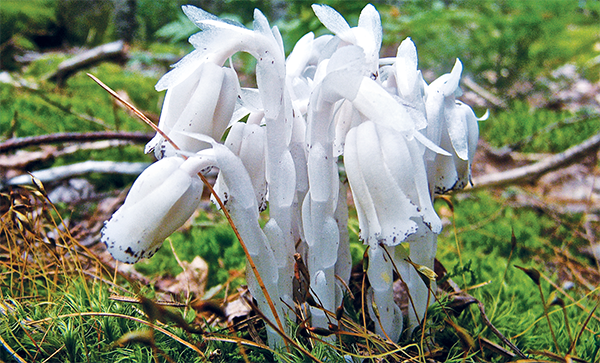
x,y
203,102
453,126
387,198
162,198
454,172
400,140
367,34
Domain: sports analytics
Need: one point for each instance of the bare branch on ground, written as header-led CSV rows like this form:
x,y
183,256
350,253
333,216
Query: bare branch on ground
x,y
534,171
111,51
18,143
86,167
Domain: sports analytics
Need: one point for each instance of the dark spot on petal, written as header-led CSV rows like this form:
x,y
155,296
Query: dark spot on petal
x,y
129,251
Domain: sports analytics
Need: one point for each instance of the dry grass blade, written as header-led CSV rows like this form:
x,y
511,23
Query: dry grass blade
x,y
497,332
122,316
587,320
137,112
12,351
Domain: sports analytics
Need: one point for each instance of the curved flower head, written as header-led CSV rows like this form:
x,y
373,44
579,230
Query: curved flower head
x,y
203,102
388,198
162,198
454,172
453,126
367,34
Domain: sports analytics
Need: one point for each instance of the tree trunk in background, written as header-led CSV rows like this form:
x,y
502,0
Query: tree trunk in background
x,y
125,21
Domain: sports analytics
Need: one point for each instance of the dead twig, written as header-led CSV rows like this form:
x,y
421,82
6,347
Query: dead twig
x,y
489,324
19,143
86,167
483,93
534,171
111,51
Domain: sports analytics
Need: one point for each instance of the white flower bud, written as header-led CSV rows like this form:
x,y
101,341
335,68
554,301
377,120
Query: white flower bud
x,y
162,198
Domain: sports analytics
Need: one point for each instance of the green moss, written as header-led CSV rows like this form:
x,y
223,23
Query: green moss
x,y
211,239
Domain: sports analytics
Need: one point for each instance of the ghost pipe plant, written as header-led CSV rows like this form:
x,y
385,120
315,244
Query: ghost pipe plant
x,y
400,139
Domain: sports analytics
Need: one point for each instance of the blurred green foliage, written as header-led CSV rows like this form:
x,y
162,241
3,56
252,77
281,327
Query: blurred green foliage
x,y
479,251
500,42
29,18
540,130
33,109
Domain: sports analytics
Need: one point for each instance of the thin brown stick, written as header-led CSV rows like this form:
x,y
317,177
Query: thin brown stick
x,y
137,112
497,332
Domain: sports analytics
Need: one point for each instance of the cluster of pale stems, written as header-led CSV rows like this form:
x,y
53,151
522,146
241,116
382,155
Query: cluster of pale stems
x,y
331,105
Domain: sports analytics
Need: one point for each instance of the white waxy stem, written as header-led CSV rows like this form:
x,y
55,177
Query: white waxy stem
x,y
380,273
321,229
162,198
323,286
247,141
416,287
343,265
243,209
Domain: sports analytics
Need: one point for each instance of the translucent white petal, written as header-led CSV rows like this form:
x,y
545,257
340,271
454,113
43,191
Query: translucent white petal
x,y
299,57
394,208
371,21
226,103
331,18
197,15
346,117
139,227
153,176
198,116
365,207
253,153
406,66
376,104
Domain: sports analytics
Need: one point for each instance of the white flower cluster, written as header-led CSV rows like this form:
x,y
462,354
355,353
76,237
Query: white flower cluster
x,y
400,139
